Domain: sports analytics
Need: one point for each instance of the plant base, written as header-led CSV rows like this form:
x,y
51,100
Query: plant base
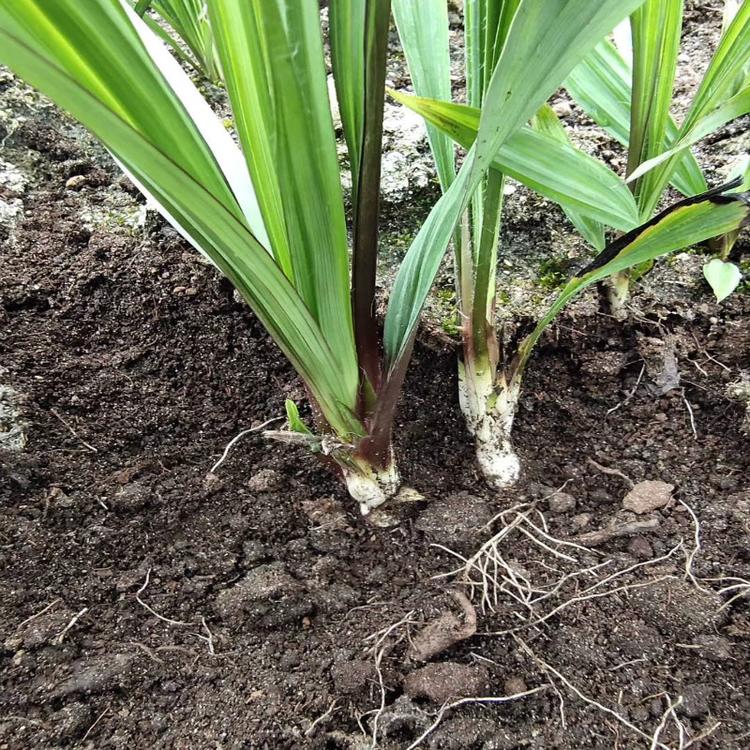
x,y
618,295
489,413
370,487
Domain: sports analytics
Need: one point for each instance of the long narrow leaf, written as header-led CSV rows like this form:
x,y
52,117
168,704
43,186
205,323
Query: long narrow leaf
x,y
273,53
556,34
424,33
347,20
213,222
363,65
600,84
717,100
577,182
547,122
253,106
656,28
727,111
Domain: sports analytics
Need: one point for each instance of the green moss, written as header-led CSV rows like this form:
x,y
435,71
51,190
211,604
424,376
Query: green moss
x,y
744,285
553,273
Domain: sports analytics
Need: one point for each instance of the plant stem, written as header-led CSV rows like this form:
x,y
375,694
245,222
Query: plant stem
x,y
618,294
367,194
489,406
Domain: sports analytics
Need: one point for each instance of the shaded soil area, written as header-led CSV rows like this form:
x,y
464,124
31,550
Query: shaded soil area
x,y
147,602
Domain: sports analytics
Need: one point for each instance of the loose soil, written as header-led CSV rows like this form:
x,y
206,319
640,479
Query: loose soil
x,y
145,602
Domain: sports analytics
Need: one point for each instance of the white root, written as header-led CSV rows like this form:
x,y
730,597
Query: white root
x,y
489,414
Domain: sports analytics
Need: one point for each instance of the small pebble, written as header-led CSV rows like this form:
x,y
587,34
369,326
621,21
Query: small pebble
x,y
515,685
265,480
641,548
562,108
648,496
562,502
581,521
76,182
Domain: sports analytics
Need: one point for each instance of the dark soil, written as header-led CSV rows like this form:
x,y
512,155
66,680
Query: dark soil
x,y
147,603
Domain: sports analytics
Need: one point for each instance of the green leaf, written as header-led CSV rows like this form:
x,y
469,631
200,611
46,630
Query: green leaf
x,y
686,223
177,168
547,122
717,100
424,33
273,57
601,86
556,34
722,276
655,28
295,422
578,182
725,75
253,106
188,19
487,24
346,23
731,109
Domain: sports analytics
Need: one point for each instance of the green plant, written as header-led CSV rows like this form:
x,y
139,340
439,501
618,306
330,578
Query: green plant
x,y
628,91
271,216
190,24
540,156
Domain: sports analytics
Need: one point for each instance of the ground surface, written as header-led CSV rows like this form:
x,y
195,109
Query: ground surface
x,y
145,603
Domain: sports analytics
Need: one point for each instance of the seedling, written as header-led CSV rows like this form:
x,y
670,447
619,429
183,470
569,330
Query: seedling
x,y
540,156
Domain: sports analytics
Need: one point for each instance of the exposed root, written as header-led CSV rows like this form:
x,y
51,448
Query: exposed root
x,y
143,604
61,635
379,649
467,701
322,718
553,674
238,437
550,580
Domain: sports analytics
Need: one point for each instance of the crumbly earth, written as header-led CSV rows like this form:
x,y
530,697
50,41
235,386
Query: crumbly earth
x,y
145,602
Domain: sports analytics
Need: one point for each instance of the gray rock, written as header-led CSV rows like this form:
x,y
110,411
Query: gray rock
x,y
515,685
641,548
648,496
562,108
581,521
12,428
133,496
76,182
